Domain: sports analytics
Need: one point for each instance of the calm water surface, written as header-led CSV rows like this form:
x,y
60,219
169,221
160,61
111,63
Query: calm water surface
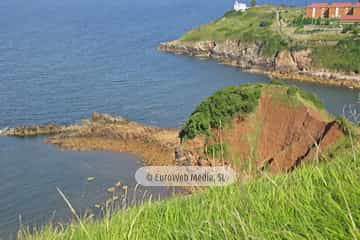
x,y
62,60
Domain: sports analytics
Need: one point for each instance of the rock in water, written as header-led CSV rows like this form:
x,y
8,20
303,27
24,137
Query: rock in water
x,y
106,118
35,130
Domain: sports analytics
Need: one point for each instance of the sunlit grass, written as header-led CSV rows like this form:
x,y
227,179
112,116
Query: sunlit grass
x,y
313,202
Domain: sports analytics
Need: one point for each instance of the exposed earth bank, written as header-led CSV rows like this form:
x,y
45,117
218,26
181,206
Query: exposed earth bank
x,y
279,129
250,127
285,64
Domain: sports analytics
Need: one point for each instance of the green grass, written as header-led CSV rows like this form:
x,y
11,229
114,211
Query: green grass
x,y
313,202
256,24
217,150
345,56
294,96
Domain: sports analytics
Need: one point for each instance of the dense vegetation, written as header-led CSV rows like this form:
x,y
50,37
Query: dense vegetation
x,y
313,202
218,109
344,56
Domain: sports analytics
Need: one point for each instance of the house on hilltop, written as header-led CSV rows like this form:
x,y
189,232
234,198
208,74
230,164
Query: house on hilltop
x,y
238,6
344,11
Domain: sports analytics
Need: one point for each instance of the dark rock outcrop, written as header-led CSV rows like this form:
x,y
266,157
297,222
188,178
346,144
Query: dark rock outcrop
x,y
296,64
107,118
232,52
24,131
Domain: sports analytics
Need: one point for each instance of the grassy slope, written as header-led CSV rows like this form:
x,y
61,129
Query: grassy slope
x,y
255,24
259,24
314,202
236,25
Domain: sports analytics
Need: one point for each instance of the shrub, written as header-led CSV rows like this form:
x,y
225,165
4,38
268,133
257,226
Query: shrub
x,y
220,108
292,91
265,23
301,21
347,28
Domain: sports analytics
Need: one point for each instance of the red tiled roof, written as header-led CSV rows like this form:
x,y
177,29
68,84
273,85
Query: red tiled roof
x,y
335,4
314,5
342,4
350,18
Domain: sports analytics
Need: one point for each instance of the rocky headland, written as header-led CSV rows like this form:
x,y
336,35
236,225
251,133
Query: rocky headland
x,y
276,129
278,41
285,64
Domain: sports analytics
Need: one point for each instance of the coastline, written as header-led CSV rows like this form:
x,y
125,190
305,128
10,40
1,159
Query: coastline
x,y
104,132
285,65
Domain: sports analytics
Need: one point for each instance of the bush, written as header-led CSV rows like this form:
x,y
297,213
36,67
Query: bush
x,y
220,108
297,47
292,91
265,23
347,28
301,21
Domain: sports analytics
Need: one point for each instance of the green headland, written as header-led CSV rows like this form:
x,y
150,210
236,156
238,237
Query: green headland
x,y
279,39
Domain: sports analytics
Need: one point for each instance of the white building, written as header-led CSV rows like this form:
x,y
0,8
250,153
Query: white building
x,y
238,6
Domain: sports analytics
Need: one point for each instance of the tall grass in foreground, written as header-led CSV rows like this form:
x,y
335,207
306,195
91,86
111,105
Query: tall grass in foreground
x,y
313,202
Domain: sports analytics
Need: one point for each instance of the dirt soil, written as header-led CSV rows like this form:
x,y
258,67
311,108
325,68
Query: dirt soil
x,y
276,138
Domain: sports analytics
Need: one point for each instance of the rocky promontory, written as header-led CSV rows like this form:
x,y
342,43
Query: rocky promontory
x,y
259,127
285,64
278,41
109,133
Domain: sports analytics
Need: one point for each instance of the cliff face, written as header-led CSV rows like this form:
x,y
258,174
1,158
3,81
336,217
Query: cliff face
x,y
230,51
283,132
284,64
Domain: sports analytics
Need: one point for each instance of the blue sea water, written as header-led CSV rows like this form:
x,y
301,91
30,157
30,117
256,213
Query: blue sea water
x,y
62,60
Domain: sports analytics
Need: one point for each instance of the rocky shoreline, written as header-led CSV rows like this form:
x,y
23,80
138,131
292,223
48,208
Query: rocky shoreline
x,y
104,132
294,65
284,140
109,133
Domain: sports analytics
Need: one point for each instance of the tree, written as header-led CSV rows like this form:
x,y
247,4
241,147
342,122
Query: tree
x,y
253,3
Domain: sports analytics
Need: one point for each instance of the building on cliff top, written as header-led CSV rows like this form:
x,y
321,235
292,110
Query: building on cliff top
x,y
344,11
238,6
